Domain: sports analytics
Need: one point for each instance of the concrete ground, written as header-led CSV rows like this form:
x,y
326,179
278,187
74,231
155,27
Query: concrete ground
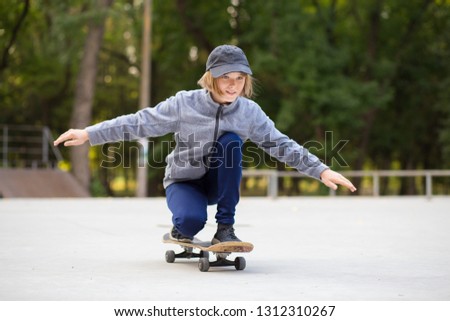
x,y
305,249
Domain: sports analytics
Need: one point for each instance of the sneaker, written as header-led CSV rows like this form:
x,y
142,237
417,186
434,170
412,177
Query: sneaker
x,y
177,236
225,233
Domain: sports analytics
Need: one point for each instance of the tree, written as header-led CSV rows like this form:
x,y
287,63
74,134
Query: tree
x,y
14,32
84,92
375,73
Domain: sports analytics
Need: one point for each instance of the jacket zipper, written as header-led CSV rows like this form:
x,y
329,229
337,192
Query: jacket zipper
x,y
216,128
216,133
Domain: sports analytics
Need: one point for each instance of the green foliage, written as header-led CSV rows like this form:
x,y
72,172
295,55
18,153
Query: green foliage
x,y
375,73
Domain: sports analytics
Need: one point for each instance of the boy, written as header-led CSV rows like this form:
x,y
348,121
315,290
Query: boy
x,y
209,126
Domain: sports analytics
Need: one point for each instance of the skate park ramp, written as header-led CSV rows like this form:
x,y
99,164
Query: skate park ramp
x,y
30,183
318,248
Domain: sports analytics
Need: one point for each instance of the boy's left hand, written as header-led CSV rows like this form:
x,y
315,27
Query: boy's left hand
x,y
331,178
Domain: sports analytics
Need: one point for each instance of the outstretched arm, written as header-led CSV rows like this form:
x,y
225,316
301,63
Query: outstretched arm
x,y
272,141
331,178
72,137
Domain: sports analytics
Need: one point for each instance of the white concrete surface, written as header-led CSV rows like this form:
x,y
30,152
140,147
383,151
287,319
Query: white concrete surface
x,y
305,249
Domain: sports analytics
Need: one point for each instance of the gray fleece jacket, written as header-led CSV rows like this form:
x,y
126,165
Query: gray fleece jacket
x,y
197,121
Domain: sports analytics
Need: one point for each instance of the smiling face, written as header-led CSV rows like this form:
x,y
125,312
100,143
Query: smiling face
x,y
230,87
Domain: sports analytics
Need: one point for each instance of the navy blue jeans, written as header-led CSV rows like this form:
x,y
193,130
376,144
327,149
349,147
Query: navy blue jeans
x,y
220,185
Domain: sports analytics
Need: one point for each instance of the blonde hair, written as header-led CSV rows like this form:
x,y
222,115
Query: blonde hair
x,y
209,83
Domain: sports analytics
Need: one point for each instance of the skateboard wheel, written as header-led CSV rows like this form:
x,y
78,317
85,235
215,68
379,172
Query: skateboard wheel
x,y
203,264
170,256
239,263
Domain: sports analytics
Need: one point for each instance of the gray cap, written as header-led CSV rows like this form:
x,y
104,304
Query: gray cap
x,y
225,59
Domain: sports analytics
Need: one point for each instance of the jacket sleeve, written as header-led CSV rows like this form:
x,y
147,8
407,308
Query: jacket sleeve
x,y
149,122
272,141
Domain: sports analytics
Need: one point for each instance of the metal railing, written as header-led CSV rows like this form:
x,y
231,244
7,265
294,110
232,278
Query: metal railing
x,y
272,177
28,146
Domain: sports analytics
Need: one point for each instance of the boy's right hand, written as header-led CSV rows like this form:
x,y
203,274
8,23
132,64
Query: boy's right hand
x,y
72,137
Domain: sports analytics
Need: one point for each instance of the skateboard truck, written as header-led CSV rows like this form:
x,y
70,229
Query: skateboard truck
x,y
204,264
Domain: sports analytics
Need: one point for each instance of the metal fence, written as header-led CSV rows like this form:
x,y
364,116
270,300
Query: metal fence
x,y
273,176
32,147
28,146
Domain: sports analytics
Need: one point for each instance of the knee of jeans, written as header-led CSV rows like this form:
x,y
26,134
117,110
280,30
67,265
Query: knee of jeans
x,y
229,137
189,225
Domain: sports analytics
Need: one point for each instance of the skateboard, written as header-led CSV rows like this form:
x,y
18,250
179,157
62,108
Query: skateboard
x,y
220,250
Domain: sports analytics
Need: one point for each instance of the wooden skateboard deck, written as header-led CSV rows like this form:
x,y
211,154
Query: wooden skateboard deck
x,y
220,250
225,247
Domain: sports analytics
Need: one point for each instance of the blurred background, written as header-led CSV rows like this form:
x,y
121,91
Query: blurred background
x,y
363,84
